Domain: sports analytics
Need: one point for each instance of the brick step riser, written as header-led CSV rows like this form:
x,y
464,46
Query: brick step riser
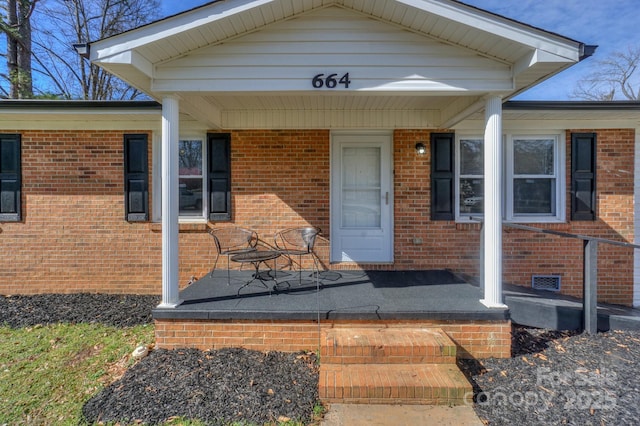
x,y
390,366
387,359
385,384
371,346
381,395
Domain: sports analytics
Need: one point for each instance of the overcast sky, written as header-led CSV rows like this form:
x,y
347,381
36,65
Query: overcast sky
x,y
610,24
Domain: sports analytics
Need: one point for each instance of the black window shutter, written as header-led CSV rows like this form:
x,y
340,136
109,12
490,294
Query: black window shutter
x,y
583,176
136,178
10,178
219,176
442,176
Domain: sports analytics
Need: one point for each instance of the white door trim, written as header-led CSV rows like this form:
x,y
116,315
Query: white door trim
x,y
384,235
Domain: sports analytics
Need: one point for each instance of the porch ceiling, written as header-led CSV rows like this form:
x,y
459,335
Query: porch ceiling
x,y
416,61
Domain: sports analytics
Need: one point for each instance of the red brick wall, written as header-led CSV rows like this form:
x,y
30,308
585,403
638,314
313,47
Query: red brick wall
x,y
456,246
526,253
74,237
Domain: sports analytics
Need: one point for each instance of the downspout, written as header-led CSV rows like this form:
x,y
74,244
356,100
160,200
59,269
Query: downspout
x,y
636,224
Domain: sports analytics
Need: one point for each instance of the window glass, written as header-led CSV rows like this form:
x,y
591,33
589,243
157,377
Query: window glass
x,y
361,180
471,157
533,176
471,187
533,156
532,184
534,196
190,177
471,196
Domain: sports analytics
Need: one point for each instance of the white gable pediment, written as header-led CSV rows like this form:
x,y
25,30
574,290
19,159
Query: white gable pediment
x,y
403,63
372,56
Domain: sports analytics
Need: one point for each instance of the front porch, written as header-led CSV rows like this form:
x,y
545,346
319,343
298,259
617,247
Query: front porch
x,y
212,315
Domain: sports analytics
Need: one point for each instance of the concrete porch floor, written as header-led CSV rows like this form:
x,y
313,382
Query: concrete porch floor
x,y
383,295
342,295
547,309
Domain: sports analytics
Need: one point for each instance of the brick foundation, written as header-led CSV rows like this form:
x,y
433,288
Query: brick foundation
x,y
474,339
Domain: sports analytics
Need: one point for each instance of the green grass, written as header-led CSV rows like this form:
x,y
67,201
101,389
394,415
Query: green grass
x,y
47,373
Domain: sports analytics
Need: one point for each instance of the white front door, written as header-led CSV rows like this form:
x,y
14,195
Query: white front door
x,y
361,198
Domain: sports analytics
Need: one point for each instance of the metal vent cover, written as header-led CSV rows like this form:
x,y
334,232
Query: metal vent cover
x,y
546,282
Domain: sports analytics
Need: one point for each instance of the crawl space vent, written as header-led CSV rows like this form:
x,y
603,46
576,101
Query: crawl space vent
x,y
546,282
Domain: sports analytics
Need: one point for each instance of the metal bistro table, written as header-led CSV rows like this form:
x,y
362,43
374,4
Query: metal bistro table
x,y
256,258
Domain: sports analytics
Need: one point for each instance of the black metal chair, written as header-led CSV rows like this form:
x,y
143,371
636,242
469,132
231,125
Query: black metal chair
x,y
231,241
298,242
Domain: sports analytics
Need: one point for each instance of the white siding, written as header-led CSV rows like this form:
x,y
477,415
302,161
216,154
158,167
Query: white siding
x,y
378,57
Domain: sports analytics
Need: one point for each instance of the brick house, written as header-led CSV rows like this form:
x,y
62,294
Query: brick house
x,y
277,114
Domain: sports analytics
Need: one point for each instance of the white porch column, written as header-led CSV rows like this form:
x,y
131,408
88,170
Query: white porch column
x,y
170,134
493,203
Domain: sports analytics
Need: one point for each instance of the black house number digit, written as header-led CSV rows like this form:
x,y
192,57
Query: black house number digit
x,y
331,81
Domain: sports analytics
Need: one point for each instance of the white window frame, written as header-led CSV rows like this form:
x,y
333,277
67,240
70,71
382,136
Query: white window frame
x,y
157,180
203,169
558,175
508,177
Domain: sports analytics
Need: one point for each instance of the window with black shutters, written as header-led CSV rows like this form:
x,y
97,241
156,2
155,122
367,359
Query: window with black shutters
x,y
136,178
583,176
219,176
10,178
442,176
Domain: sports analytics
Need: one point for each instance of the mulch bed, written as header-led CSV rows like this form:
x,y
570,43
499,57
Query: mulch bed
x,y
217,387
109,309
558,378
553,378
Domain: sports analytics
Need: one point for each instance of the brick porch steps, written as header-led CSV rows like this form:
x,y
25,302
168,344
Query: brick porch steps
x,y
390,365
387,346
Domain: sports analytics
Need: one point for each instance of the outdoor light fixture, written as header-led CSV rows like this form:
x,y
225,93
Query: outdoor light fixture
x,y
421,148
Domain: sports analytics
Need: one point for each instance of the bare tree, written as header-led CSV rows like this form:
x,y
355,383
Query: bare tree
x,y
616,77
17,28
63,23
44,37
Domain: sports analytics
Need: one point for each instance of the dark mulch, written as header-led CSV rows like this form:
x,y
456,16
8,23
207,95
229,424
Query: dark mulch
x,y
217,387
558,378
114,310
553,378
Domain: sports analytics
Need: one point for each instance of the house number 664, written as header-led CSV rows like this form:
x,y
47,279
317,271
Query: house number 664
x,y
331,81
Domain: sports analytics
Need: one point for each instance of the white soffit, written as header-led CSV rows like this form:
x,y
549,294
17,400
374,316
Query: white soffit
x,y
448,21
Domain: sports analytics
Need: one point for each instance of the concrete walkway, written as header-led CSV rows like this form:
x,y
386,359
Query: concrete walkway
x,y
399,415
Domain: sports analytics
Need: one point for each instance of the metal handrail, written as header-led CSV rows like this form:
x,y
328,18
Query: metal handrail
x,y
569,235
590,265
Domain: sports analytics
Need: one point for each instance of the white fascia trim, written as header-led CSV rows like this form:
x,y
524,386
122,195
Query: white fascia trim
x,y
171,26
455,12
550,125
520,33
129,57
73,112
537,57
